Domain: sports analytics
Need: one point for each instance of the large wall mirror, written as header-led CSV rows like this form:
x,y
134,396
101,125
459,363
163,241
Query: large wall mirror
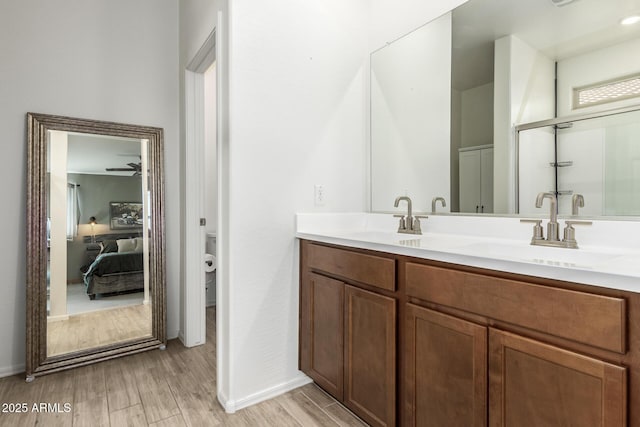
x,y
527,70
95,242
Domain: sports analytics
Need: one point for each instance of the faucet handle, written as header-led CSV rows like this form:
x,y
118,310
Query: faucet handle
x,y
537,229
417,229
402,226
570,233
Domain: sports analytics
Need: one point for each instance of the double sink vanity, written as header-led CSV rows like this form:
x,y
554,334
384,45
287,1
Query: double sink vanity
x,y
468,323
469,320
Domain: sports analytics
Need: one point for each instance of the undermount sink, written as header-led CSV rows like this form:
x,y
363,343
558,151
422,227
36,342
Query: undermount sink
x,y
559,257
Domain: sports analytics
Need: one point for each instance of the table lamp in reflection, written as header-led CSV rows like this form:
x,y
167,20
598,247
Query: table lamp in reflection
x,y
92,221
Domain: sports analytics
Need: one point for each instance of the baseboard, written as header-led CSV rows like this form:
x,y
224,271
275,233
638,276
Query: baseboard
x,y
231,406
8,371
57,318
223,400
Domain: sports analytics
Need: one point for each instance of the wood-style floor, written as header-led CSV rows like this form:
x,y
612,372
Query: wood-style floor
x,y
98,328
172,388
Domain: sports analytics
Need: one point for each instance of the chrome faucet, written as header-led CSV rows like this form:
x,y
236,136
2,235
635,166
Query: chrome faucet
x,y
408,200
410,224
577,201
569,240
552,227
435,200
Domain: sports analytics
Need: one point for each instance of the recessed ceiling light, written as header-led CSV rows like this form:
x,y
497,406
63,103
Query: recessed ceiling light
x,y
630,20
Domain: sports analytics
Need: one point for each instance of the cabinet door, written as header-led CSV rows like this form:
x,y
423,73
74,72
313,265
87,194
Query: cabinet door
x,y
370,356
535,384
322,338
469,181
446,370
486,180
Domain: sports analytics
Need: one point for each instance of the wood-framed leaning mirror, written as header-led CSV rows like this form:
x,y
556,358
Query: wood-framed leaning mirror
x,y
95,242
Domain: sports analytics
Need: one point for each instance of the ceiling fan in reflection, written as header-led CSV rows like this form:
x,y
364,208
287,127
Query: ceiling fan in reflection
x,y
136,168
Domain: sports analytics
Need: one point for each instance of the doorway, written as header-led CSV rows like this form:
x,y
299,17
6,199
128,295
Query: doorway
x,y
200,190
193,297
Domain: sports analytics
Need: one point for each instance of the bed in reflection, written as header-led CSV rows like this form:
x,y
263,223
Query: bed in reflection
x,y
118,268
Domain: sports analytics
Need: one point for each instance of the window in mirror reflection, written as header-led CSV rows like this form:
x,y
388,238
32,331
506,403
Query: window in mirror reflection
x,y
97,276
601,93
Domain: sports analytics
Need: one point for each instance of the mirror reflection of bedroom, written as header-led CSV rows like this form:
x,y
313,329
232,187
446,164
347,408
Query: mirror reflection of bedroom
x,y
97,266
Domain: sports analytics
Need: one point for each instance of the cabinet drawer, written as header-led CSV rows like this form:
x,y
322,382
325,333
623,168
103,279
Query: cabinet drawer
x,y
596,320
369,269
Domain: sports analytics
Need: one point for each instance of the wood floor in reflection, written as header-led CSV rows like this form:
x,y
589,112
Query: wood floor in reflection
x,y
176,387
98,328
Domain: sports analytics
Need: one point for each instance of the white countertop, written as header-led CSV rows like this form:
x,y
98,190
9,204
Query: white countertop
x,y
472,241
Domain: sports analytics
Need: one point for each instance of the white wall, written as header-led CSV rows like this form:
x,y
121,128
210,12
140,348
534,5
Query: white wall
x,y
594,67
523,92
108,60
410,118
297,90
477,116
296,119
391,19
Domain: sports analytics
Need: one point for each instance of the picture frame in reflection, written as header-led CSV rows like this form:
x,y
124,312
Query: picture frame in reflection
x,y
125,215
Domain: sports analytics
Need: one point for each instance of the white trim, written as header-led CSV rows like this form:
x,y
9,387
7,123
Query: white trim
x,y
205,56
224,345
194,297
223,400
231,406
193,302
200,63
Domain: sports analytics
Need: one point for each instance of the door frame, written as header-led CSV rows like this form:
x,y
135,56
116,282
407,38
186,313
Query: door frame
x,y
193,331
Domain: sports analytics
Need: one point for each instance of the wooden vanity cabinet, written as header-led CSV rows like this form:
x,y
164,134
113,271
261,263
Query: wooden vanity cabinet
x,y
370,356
532,383
473,372
472,348
446,370
323,332
527,383
348,333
